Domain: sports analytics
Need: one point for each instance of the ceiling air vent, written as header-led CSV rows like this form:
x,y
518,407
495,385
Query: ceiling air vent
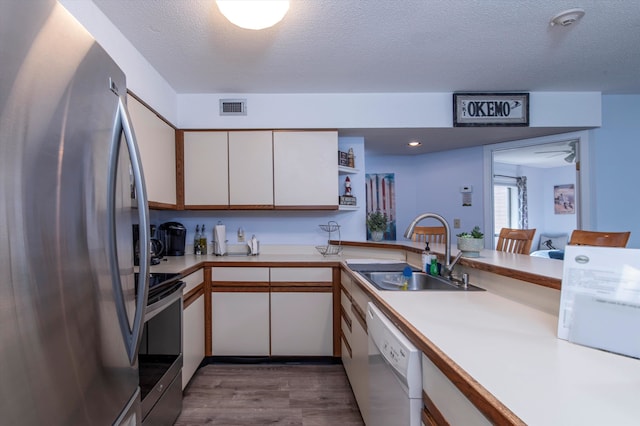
x,y
233,107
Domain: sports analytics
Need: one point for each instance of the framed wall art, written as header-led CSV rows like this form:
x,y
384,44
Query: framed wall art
x,y
564,199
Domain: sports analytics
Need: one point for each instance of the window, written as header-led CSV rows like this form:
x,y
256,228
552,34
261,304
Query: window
x,y
505,208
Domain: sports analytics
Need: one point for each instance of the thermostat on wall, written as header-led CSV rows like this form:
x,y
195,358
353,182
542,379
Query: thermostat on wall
x,y
468,188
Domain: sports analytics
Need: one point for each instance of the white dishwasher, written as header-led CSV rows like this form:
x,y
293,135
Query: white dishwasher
x,y
395,374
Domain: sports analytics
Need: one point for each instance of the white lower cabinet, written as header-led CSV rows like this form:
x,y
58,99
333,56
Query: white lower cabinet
x,y
240,311
447,398
193,323
302,324
301,311
240,324
356,362
272,311
193,339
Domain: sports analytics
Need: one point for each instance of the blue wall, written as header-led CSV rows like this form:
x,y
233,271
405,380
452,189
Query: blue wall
x,y
431,183
615,155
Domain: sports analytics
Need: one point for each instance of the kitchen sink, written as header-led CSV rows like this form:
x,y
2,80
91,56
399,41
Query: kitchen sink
x,y
418,281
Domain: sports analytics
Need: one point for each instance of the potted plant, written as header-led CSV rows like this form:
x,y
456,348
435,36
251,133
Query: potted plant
x,y
377,224
470,243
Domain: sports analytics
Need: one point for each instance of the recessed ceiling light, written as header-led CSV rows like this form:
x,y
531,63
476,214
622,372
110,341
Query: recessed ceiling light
x,y
414,143
567,17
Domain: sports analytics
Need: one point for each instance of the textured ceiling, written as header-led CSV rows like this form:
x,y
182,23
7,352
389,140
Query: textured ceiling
x,y
348,46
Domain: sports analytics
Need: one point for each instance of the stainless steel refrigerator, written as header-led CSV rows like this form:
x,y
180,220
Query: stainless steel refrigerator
x,y
71,314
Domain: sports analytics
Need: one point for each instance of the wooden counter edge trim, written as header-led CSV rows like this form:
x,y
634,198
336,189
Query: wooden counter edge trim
x,y
481,398
193,295
190,270
500,270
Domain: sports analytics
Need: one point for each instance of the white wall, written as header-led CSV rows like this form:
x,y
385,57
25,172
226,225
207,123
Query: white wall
x,y
142,78
371,110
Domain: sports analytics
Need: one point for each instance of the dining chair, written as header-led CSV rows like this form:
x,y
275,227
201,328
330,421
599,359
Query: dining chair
x,y
599,239
515,240
430,234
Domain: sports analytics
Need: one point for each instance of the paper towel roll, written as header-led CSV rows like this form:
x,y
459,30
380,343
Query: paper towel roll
x,y
220,240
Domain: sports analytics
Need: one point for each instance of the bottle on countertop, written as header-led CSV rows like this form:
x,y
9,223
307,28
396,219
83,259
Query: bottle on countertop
x,y
203,240
433,270
240,235
426,258
196,241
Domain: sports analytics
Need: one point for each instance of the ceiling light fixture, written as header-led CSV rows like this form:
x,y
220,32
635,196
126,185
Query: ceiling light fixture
x,y
567,17
414,144
253,14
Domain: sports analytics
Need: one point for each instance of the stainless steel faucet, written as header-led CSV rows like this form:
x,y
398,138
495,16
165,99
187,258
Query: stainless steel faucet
x,y
448,265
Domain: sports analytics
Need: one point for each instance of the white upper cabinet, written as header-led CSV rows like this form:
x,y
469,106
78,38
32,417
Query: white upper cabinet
x,y
206,170
251,169
305,169
157,145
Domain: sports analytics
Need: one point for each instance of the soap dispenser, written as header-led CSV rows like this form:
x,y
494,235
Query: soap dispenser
x,y
426,258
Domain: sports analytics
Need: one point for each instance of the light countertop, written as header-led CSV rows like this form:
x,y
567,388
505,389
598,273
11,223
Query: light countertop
x,y
513,352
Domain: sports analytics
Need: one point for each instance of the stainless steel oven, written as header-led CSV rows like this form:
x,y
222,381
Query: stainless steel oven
x,y
160,356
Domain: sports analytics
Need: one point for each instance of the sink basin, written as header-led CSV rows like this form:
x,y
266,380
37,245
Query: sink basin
x,y
419,281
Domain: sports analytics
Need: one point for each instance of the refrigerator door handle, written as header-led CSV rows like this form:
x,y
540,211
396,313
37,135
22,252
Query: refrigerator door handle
x,y
131,336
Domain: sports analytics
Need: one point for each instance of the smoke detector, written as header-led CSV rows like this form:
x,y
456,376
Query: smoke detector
x,y
567,17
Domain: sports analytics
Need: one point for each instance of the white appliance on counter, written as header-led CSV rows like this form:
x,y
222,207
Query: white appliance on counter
x,y
395,374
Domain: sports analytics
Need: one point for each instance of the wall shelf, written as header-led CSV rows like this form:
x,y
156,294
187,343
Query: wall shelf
x,y
345,207
344,170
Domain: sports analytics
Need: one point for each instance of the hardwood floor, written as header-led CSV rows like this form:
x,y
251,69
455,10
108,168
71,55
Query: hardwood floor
x,y
269,394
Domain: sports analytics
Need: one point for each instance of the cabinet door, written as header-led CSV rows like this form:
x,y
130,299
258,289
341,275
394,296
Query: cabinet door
x,y
206,173
302,311
302,324
240,323
157,145
251,169
240,311
193,339
305,172
358,364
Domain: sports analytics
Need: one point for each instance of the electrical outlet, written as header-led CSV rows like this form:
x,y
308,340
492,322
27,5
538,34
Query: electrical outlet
x,y
456,223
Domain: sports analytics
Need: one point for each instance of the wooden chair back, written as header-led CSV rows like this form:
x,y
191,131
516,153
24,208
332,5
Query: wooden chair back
x,y
430,234
599,239
515,240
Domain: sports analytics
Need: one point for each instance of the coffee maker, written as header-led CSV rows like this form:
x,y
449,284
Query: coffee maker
x,y
174,236
156,247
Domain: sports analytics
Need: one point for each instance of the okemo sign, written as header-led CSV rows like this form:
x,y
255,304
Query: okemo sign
x,y
490,109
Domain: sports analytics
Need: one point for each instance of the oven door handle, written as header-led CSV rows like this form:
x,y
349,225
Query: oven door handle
x,y
131,336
